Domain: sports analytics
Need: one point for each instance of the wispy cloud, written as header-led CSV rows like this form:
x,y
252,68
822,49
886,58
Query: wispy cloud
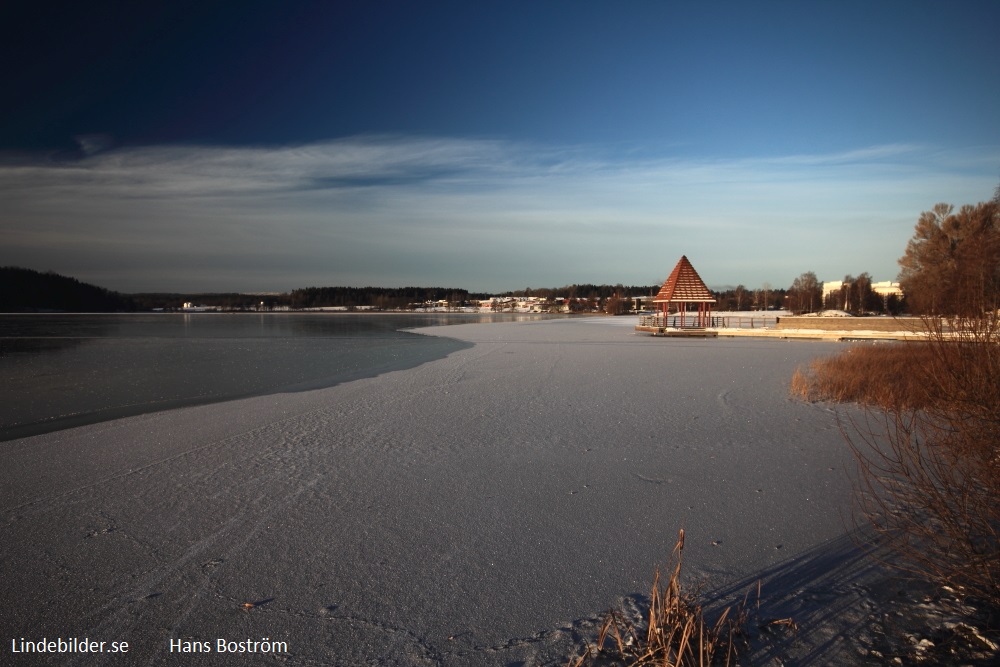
x,y
485,214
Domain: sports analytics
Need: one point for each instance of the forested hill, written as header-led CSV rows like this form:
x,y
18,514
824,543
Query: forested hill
x,y
25,291
381,297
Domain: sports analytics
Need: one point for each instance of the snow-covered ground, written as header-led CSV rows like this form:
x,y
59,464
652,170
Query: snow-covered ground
x,y
481,509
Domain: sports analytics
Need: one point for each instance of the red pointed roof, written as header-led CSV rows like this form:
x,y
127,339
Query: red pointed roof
x,y
684,286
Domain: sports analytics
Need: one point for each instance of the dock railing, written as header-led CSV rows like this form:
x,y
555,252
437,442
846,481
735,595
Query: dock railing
x,y
716,321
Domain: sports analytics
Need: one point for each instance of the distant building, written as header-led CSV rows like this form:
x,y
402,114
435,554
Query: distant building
x,y
641,304
887,288
884,289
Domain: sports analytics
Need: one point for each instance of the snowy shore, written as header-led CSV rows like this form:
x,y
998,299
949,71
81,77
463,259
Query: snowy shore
x,y
480,509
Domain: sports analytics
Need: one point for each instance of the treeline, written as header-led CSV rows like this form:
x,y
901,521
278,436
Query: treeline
x,y
383,298
731,299
583,291
738,298
219,300
742,298
25,291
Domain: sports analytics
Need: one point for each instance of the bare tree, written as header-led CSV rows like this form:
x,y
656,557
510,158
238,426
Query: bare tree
x,y
614,305
864,295
856,294
740,293
806,294
952,256
845,293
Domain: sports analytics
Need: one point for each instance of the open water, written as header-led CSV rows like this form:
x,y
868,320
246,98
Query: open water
x,y
60,371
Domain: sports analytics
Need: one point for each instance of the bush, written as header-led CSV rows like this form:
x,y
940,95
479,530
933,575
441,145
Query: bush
x,y
927,445
888,376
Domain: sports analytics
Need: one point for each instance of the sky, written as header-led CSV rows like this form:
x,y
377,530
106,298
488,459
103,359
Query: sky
x,y
264,146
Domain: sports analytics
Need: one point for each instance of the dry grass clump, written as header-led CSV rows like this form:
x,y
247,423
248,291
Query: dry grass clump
x,y
887,376
927,445
677,632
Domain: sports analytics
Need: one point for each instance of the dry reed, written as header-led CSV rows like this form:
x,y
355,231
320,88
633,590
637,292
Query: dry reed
x,y
677,632
887,376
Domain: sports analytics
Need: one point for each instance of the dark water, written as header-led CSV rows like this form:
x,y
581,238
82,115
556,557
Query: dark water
x,y
59,371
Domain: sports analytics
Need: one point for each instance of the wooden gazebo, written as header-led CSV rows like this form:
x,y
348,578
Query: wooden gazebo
x,y
683,287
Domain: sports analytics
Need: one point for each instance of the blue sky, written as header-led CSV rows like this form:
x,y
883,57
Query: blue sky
x,y
261,146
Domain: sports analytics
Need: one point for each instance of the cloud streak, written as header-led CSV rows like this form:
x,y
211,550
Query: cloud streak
x,y
482,214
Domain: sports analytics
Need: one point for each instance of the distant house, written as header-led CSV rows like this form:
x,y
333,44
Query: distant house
x,y
189,307
641,304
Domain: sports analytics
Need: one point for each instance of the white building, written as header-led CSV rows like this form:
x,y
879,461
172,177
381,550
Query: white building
x,y
884,289
887,288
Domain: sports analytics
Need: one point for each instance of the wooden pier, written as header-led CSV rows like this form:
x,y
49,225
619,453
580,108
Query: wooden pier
x,y
690,332
844,329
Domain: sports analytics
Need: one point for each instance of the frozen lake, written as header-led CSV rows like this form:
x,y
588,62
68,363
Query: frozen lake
x,y
472,510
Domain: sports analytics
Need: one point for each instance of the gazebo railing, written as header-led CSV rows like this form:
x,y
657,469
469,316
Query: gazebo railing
x,y
690,321
673,321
